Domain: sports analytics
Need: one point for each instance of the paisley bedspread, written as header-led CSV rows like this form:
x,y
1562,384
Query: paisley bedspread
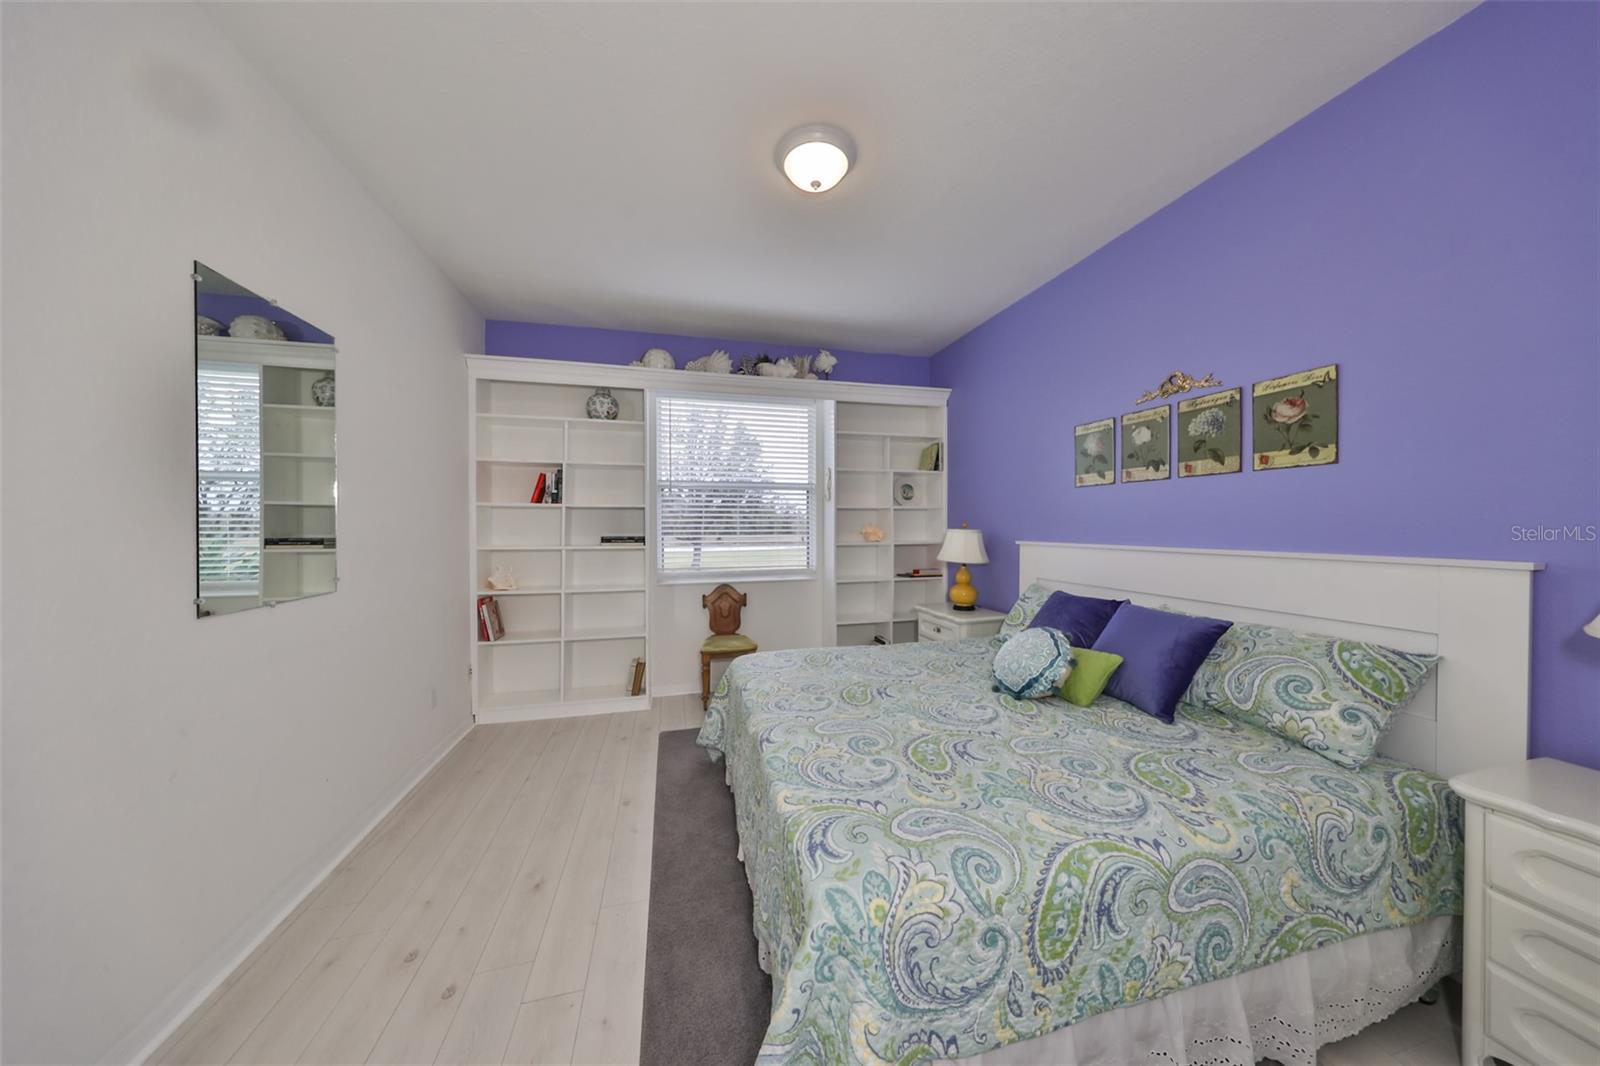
x,y
939,870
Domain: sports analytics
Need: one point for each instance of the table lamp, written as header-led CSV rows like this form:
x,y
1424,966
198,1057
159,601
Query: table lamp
x,y
963,546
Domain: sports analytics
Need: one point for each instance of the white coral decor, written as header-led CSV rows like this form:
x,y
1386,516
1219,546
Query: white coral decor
x,y
656,359
781,368
254,327
718,362
824,362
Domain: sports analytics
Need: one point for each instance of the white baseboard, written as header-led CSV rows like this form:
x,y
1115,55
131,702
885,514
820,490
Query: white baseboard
x,y
184,1000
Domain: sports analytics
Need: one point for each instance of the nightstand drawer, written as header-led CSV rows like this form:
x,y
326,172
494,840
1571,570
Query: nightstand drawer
x,y
1546,951
931,629
1536,1027
1546,869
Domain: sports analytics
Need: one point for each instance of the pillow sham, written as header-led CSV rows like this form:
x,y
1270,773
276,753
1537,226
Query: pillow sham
x,y
1024,609
1161,652
1081,618
1335,697
1090,671
1032,664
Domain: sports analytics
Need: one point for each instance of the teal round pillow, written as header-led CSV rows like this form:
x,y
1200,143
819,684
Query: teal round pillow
x,y
1033,663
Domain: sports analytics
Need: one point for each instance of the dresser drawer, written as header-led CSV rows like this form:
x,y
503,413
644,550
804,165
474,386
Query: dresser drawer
x,y
1546,869
1537,1027
933,629
1547,952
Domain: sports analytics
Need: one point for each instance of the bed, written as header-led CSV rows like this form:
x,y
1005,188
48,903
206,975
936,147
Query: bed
x,y
941,872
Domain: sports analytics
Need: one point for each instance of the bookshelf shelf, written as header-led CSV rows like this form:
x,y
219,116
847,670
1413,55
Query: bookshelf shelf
x,y
516,637
878,448
577,620
302,408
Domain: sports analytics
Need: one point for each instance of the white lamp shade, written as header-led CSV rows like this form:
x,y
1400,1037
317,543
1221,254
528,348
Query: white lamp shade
x,y
963,546
1593,628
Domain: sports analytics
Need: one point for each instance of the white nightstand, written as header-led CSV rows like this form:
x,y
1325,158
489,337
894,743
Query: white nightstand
x,y
1532,960
945,623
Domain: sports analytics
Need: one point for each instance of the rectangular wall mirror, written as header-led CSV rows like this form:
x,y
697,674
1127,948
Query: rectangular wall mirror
x,y
266,476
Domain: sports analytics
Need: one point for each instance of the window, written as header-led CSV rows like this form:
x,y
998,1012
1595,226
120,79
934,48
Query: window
x,y
228,453
735,486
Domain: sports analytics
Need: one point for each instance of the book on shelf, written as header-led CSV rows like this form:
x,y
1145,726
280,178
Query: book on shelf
x,y
538,490
930,457
621,538
635,679
555,487
490,627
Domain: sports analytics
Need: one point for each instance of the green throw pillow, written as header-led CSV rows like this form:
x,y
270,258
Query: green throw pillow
x,y
1089,676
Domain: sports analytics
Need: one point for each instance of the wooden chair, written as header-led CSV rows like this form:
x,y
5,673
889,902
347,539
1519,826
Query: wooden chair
x,y
725,642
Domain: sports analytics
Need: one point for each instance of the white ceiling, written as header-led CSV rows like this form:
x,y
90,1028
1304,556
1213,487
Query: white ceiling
x,y
612,165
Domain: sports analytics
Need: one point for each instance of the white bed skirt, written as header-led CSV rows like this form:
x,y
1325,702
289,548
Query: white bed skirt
x,y
1284,1010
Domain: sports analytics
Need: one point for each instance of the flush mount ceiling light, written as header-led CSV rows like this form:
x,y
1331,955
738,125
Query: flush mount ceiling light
x,y
816,158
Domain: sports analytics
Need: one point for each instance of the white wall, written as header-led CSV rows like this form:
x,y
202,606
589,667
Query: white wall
x,y
170,782
780,614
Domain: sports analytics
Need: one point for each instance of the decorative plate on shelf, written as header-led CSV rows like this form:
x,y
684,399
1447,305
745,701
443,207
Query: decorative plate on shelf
x,y
905,494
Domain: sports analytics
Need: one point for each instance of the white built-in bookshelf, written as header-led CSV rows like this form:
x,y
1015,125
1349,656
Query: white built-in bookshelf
x,y
576,620
878,480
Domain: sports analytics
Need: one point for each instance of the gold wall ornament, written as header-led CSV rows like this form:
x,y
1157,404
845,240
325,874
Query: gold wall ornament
x,y
1177,382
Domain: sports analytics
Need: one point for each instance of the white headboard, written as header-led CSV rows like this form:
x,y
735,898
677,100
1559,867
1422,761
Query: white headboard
x,y
1474,615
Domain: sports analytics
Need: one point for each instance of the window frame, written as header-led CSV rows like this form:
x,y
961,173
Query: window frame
x,y
814,492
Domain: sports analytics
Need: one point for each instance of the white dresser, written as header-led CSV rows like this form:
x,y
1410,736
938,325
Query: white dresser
x,y
1532,963
945,623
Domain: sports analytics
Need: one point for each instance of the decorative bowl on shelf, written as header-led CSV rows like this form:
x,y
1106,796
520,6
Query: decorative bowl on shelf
x,y
322,390
905,493
601,405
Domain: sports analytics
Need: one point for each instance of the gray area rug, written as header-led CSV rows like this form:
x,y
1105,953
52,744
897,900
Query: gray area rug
x,y
706,999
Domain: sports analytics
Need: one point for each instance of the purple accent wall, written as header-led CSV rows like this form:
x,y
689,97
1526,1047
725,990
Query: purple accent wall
x,y
1435,230
534,340
226,307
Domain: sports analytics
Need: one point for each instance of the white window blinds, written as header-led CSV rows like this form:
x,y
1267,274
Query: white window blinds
x,y
735,485
228,454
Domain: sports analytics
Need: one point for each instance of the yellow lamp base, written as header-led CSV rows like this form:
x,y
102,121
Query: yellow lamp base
x,y
963,594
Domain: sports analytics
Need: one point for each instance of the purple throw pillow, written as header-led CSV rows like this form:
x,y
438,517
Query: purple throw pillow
x,y
1160,651
1081,618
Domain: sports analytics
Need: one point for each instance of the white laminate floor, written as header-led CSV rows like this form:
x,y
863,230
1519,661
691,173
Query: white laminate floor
x,y
498,914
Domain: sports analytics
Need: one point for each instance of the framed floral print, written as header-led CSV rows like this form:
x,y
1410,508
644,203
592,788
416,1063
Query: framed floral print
x,y
1094,453
1147,444
1295,419
1211,434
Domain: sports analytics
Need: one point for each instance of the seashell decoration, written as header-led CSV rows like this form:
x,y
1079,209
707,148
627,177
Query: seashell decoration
x,y
254,327
502,579
871,533
207,327
779,368
718,362
824,363
656,359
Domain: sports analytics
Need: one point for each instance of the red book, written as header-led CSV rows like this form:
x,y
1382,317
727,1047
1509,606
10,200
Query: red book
x,y
483,620
538,489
